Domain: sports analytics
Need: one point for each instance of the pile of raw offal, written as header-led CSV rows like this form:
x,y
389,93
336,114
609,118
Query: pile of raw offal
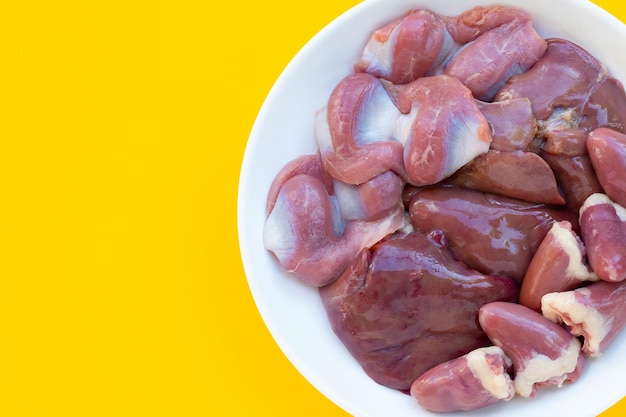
x,y
464,216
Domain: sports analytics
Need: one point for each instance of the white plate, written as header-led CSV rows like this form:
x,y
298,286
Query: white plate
x,y
283,130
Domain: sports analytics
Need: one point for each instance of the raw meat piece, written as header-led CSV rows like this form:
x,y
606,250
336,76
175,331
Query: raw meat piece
x,y
558,265
513,124
597,312
443,131
308,237
517,174
304,164
407,305
470,382
607,106
472,23
355,131
371,200
564,78
488,62
407,48
565,131
542,352
575,176
562,133
435,129
603,228
607,150
490,233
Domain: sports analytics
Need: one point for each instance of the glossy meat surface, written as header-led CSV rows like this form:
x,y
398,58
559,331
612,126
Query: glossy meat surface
x,y
575,176
603,229
560,264
513,124
492,234
607,151
407,306
516,174
563,78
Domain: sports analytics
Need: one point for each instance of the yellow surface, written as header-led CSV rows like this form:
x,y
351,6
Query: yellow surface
x,y
122,129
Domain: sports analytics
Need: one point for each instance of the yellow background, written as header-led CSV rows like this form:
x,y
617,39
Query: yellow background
x,y
122,130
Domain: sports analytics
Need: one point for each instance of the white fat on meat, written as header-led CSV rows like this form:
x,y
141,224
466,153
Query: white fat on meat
x,y
498,384
582,319
598,199
540,368
575,266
